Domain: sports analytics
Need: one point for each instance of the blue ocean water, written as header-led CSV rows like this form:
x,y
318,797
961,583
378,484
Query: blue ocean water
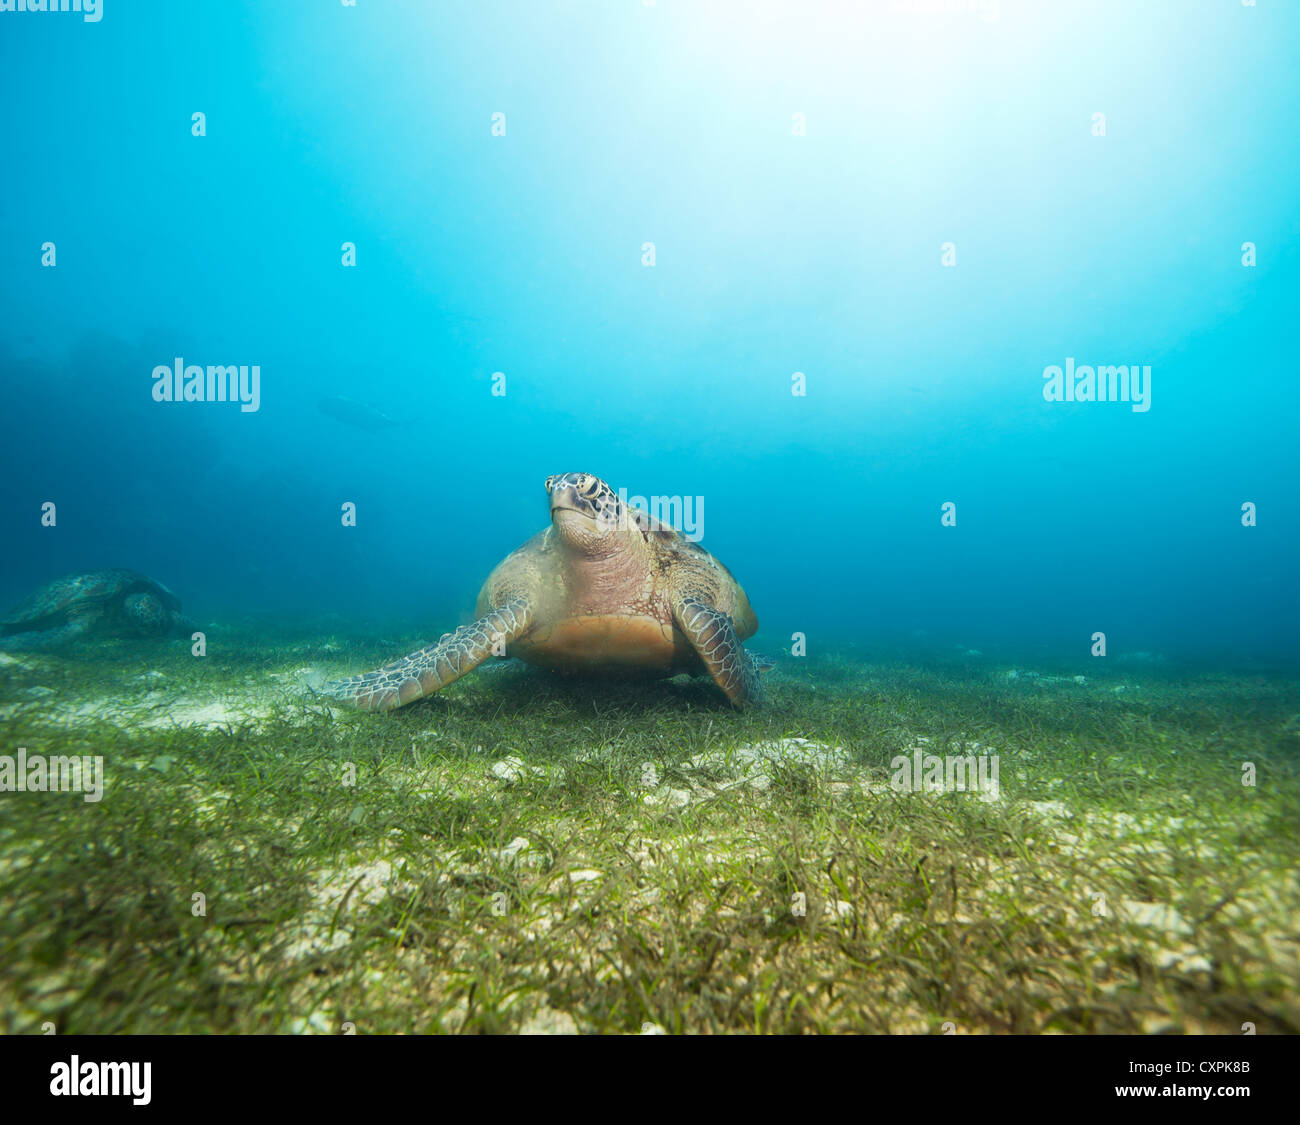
x,y
649,224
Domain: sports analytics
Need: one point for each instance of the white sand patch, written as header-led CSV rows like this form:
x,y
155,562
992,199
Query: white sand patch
x,y
91,711
837,910
966,767
786,750
1040,678
753,764
508,770
512,770
316,1024
215,715
667,797
744,766
511,851
1185,960
184,712
1155,915
546,1021
338,898
308,676
1121,824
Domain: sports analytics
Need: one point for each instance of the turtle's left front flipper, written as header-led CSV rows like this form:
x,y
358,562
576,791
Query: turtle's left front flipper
x,y
437,665
45,639
713,635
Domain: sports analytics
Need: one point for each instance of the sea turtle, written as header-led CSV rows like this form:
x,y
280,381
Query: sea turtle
x,y
606,589
108,602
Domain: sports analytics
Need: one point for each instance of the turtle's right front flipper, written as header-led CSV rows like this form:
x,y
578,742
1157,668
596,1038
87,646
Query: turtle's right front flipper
x,y
434,667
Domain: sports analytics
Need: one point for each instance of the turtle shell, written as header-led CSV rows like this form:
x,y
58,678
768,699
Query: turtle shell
x,y
53,603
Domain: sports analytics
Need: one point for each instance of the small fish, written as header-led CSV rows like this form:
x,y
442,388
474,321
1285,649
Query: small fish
x,y
361,415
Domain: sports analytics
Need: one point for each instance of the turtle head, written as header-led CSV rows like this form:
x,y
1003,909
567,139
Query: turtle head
x,y
585,512
147,615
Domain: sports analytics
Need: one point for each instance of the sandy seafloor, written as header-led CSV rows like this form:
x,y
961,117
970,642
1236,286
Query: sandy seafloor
x,y
525,853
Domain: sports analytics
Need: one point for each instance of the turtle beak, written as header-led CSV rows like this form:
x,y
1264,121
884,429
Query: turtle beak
x,y
563,501
564,496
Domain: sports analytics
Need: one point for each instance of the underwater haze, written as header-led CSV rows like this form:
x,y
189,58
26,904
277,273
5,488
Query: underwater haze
x,y
648,218
952,345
